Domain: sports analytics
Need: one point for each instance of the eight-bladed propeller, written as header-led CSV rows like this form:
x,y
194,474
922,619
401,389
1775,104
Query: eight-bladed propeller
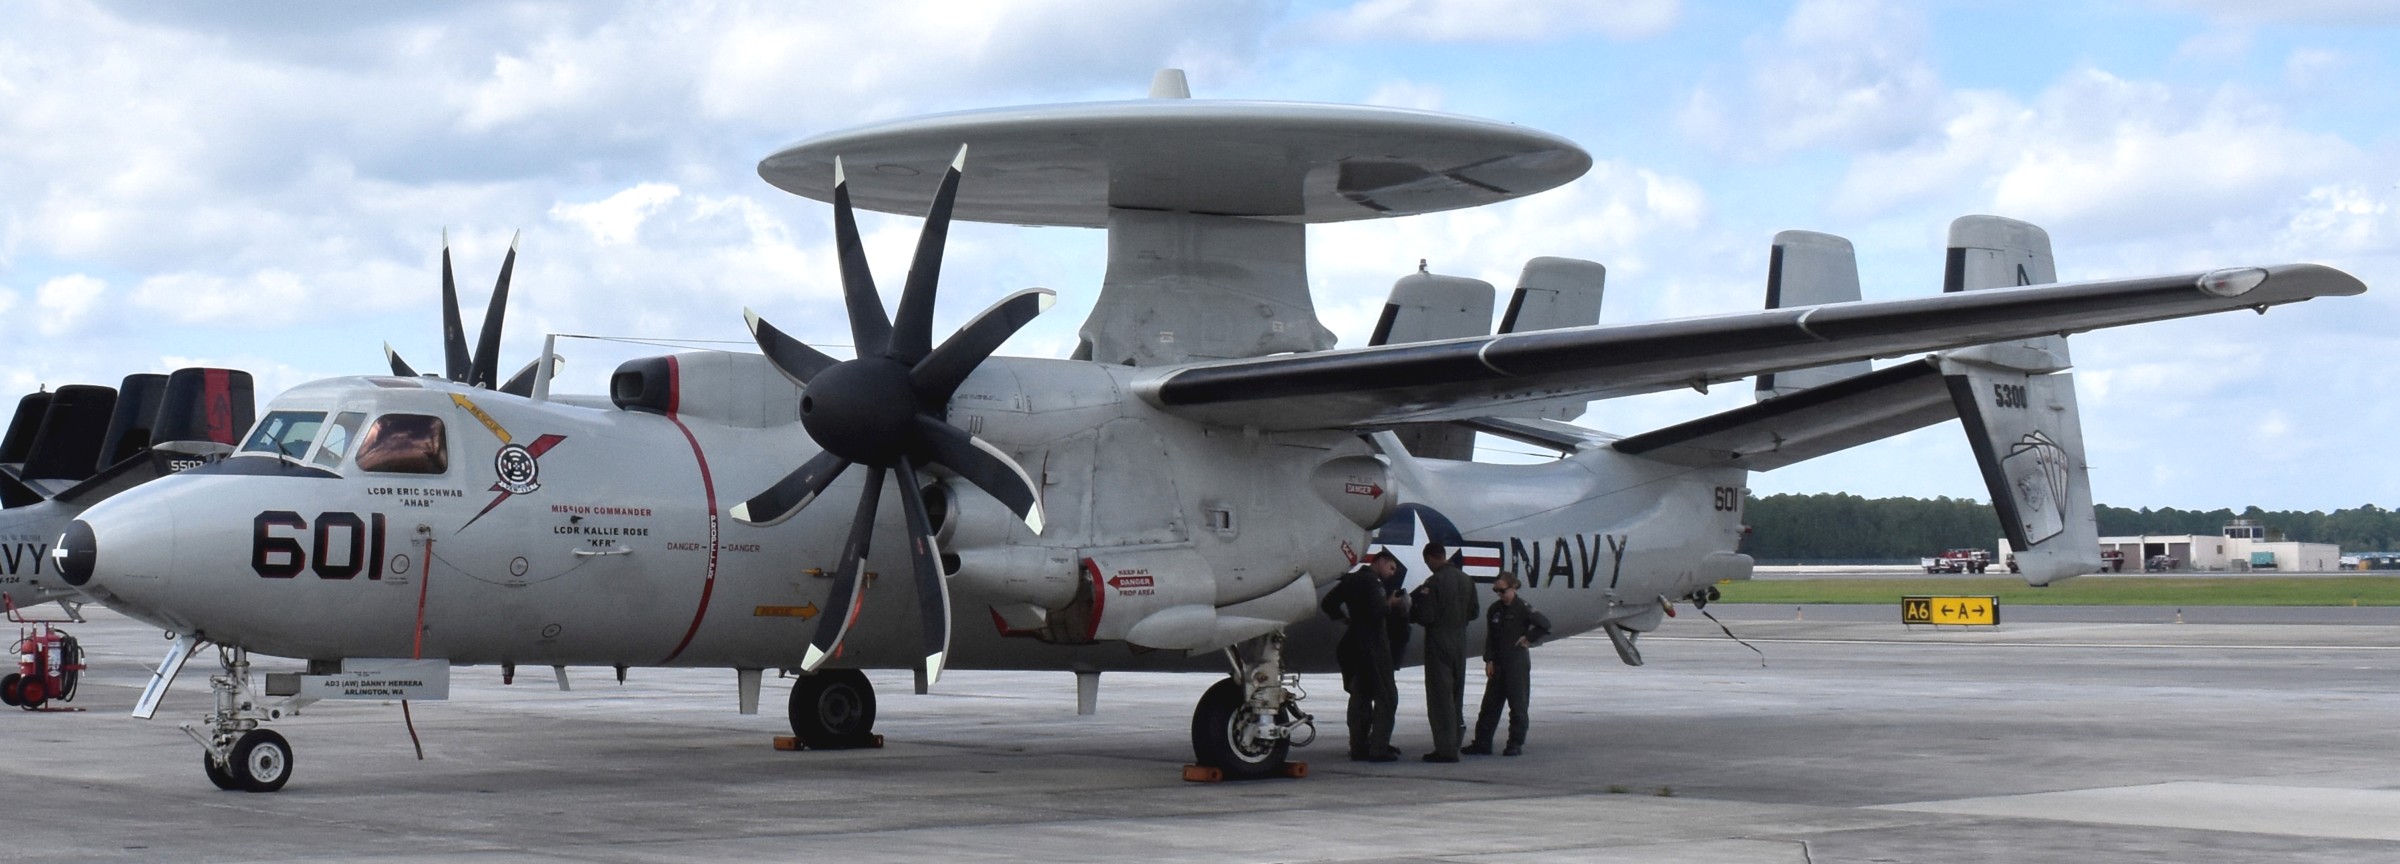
x,y
886,410
482,367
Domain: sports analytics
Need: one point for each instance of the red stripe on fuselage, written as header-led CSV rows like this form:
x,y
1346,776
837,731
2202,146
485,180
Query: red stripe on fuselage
x,y
708,488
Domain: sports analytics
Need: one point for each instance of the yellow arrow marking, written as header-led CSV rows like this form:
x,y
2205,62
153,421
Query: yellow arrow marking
x,y
488,422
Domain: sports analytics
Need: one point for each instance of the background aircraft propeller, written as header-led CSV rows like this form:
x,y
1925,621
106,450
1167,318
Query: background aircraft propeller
x,y
481,367
885,410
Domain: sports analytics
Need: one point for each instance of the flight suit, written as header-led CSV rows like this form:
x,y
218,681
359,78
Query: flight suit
x,y
1365,652
1446,605
1505,624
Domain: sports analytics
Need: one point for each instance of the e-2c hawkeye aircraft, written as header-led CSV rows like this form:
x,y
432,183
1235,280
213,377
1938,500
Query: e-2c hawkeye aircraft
x,y
69,448
1175,496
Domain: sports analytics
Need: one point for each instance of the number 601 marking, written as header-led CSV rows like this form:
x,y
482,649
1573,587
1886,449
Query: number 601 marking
x,y
281,556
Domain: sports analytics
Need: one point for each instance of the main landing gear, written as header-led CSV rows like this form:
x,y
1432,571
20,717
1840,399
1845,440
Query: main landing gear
x,y
834,709
1245,726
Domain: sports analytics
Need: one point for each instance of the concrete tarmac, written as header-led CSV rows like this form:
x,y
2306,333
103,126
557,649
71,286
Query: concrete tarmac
x,y
1857,741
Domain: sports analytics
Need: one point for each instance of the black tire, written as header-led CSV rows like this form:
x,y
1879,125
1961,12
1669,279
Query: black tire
x,y
1217,741
833,709
217,775
8,688
261,761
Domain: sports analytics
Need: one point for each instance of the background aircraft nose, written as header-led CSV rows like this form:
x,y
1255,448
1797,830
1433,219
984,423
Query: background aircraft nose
x,y
74,554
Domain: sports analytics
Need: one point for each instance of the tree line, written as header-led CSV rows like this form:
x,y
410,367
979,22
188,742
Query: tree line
x,y
1841,527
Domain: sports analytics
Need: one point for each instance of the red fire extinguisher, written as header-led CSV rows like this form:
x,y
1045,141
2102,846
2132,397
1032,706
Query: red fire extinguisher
x,y
49,665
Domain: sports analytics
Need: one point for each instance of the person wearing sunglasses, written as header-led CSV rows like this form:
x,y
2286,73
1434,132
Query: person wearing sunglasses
x,y
1511,627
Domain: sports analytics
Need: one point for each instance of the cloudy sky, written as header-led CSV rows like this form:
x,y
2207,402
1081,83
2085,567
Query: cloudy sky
x,y
265,185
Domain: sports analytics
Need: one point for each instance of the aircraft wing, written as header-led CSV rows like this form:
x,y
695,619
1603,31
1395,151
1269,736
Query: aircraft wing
x,y
1463,378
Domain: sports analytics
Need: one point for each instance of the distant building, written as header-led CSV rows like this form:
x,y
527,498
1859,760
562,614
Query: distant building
x,y
2243,547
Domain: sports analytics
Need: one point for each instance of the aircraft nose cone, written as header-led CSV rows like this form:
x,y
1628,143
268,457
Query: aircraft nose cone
x,y
75,552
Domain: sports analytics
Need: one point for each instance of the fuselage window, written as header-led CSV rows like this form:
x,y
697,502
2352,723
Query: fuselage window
x,y
338,437
405,444
285,433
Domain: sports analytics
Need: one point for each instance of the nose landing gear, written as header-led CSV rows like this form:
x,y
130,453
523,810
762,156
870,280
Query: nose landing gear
x,y
238,755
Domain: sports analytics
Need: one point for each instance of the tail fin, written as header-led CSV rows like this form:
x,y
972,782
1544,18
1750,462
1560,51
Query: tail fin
x,y
1425,307
82,443
1553,293
138,397
1806,268
204,411
2019,409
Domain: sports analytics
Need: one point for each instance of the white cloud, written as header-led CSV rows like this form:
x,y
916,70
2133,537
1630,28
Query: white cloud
x,y
1840,73
2101,156
1500,20
62,304
617,219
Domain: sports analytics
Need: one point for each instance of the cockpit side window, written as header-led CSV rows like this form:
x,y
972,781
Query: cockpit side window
x,y
338,438
285,433
405,444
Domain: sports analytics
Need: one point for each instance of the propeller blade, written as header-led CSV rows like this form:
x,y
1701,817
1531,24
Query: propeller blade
x,y
521,384
912,326
939,374
841,606
399,367
942,370
791,356
870,331
456,362
483,369
983,465
933,593
792,492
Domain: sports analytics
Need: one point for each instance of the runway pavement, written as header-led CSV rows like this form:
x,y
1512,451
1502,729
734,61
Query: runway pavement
x,y
1856,741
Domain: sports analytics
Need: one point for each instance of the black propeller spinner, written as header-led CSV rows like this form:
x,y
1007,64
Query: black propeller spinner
x,y
481,368
885,410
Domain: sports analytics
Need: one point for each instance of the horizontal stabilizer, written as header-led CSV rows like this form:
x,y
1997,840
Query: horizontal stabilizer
x,y
1824,419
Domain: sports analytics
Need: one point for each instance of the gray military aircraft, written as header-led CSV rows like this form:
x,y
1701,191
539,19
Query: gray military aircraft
x,y
1173,497
69,448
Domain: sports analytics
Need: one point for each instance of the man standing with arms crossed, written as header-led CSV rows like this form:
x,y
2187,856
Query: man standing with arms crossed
x,y
1445,604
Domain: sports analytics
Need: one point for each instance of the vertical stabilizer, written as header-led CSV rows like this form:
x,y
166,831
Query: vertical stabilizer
x,y
1554,293
204,411
1425,307
1806,268
2018,407
1992,252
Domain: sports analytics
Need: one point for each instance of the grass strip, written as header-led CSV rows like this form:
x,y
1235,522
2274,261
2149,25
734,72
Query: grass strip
x,y
2110,591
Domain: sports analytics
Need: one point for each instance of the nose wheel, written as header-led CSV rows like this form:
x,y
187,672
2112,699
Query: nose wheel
x,y
236,754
